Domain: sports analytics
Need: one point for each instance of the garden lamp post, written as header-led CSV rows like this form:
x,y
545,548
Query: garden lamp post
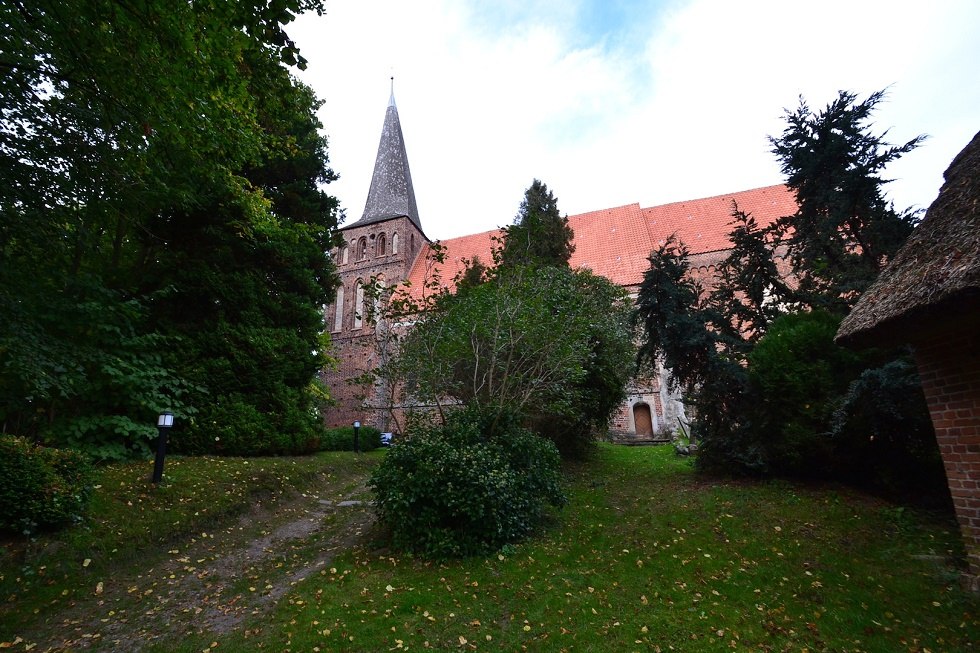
x,y
164,422
357,442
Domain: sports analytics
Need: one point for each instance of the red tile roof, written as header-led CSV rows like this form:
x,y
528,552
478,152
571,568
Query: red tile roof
x,y
615,242
703,224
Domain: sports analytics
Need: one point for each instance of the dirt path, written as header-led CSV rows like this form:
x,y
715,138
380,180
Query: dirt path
x,y
216,581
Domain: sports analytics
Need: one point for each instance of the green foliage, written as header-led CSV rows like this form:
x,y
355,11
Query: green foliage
x,y
79,370
341,438
844,230
495,344
797,376
539,235
162,225
764,384
41,488
884,438
669,312
749,292
233,426
468,486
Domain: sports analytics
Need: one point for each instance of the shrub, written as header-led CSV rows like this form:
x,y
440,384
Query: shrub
x,y
231,426
797,376
466,487
884,436
342,439
41,487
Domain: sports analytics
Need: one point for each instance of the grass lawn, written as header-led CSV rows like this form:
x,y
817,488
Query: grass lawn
x,y
646,557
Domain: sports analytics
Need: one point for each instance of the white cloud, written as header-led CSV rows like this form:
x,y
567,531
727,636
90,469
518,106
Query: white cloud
x,y
675,104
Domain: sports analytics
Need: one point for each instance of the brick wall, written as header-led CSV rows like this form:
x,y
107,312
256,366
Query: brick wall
x,y
949,364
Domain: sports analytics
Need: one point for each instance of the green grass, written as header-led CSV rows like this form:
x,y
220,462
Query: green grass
x,y
134,523
647,556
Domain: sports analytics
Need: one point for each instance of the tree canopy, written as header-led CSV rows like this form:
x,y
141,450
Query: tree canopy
x,y
163,168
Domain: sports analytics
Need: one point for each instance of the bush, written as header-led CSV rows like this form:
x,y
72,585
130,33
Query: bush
x,y
466,487
40,487
342,439
885,440
231,426
797,376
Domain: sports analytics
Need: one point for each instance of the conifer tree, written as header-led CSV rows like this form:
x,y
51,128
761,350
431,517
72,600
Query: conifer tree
x,y
539,235
844,230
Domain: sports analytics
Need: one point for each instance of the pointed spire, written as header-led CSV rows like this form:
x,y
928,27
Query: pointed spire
x,y
392,194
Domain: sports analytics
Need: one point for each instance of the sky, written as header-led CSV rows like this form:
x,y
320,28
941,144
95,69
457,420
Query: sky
x,y
614,102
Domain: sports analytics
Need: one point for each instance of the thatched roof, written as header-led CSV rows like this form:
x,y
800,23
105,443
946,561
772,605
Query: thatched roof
x,y
935,277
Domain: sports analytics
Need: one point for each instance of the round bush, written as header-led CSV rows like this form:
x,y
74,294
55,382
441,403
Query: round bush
x,y
41,487
466,487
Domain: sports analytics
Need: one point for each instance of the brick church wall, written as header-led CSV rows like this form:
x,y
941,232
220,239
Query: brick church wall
x,y
949,366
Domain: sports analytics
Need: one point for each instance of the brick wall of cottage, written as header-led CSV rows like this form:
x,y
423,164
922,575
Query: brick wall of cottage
x,y
353,340
949,365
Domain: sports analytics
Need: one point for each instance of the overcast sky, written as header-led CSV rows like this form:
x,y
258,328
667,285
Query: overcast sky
x,y
611,102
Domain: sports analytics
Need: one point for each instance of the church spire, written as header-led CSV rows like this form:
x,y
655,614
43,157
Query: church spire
x,y
392,194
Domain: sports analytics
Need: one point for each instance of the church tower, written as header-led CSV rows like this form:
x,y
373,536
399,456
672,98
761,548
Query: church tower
x,y
382,244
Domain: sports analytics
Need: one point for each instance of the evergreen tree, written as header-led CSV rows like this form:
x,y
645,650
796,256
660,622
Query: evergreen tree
x,y
844,230
539,235
749,292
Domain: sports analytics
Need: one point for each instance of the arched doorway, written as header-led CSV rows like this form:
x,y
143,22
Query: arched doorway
x,y
642,419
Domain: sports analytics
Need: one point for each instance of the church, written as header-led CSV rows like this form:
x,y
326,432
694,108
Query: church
x,y
388,243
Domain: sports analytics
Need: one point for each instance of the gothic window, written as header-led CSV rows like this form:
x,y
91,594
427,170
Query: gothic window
x,y
382,243
338,316
362,249
411,249
345,255
394,243
358,304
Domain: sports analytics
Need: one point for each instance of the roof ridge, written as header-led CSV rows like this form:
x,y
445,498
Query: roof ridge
x,y
714,197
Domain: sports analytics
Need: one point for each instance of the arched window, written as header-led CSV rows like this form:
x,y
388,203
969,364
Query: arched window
x,y
358,304
382,243
394,243
345,255
338,316
362,249
411,249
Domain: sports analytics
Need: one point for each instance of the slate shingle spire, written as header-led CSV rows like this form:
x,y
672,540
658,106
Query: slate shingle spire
x,y
391,194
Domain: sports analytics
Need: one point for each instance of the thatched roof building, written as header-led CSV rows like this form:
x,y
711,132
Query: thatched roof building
x,y
936,274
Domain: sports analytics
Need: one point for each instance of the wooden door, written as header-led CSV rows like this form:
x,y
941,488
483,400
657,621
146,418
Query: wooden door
x,y
642,420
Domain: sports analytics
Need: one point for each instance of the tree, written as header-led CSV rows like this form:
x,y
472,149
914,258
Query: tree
x,y
539,235
844,230
674,327
693,340
129,131
750,291
494,344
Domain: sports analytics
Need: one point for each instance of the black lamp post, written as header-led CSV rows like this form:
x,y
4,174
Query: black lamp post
x,y
164,422
357,441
